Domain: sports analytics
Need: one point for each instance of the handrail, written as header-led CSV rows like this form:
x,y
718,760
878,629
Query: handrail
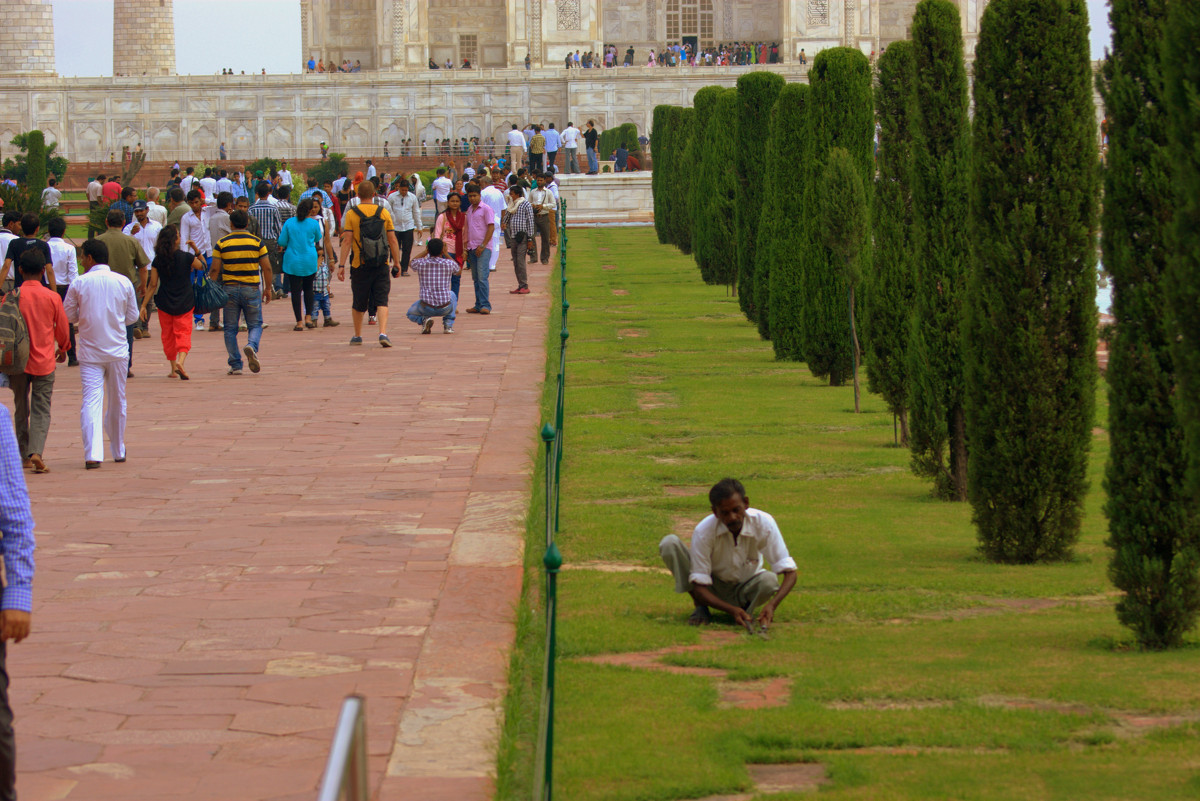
x,y
345,776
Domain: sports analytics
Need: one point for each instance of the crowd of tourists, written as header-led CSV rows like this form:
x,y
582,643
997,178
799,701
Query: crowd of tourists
x,y
220,247
734,54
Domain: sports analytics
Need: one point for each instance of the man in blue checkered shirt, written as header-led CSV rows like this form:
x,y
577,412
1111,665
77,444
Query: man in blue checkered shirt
x,y
436,300
16,599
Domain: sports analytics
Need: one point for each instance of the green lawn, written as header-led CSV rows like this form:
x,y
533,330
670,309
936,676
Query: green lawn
x,y
917,670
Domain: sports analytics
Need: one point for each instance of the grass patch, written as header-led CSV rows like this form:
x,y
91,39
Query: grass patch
x,y
916,669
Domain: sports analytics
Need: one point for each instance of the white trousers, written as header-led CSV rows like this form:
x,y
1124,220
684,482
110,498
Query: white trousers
x,y
495,247
100,379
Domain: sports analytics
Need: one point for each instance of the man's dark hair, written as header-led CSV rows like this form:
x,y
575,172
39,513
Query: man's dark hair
x,y
194,194
623,147
10,217
101,177
224,174
191,170
115,218
239,219
725,488
552,126
472,187
128,192
97,250
311,182
262,189
30,223
175,194
33,262
514,127
224,200
57,226
442,172
282,193
52,181
436,247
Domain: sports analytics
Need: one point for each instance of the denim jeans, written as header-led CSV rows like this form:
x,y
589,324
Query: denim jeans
x,y
243,299
321,299
593,163
480,273
421,311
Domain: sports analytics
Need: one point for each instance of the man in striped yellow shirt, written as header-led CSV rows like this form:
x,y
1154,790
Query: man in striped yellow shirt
x,y
241,263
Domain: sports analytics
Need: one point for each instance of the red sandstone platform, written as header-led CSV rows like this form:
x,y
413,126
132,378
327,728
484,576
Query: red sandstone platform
x,y
347,521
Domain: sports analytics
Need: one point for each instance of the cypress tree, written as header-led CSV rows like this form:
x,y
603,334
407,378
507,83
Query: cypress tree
x,y
681,180
660,136
1181,64
840,114
888,284
704,101
1031,303
35,159
1152,529
843,205
756,94
778,297
719,182
941,215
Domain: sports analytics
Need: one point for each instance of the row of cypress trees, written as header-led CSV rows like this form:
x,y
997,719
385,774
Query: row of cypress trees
x,y
974,281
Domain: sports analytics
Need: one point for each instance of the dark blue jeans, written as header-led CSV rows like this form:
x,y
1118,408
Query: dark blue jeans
x,y
243,299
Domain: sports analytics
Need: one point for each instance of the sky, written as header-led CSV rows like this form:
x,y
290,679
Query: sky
x,y
249,35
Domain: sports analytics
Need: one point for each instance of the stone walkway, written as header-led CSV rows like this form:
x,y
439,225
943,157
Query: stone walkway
x,y
347,521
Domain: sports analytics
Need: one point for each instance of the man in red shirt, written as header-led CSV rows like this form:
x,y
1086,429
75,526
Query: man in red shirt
x,y
49,341
111,191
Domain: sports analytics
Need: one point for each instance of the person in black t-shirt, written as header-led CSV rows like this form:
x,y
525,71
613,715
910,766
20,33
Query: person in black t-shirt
x,y
29,227
590,137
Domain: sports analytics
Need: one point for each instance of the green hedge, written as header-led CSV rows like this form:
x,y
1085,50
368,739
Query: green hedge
x,y
703,104
661,134
756,93
840,114
681,185
1030,336
781,294
941,214
716,191
887,296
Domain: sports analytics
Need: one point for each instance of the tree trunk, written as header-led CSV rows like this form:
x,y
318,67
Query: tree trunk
x,y
958,453
854,342
903,414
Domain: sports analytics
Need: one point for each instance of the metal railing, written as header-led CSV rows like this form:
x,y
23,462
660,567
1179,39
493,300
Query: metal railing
x,y
552,437
345,776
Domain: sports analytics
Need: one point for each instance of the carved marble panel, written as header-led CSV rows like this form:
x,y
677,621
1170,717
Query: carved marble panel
x,y
202,105
164,105
250,103
314,102
123,105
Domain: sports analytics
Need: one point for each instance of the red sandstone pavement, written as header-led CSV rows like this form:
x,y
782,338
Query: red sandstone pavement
x,y
347,521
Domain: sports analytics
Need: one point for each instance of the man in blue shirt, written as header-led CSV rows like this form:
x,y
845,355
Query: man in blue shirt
x,y
16,599
125,204
553,143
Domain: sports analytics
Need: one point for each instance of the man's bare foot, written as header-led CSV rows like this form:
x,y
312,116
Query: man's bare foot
x,y
700,617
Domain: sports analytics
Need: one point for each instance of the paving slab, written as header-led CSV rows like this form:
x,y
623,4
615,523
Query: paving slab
x,y
349,520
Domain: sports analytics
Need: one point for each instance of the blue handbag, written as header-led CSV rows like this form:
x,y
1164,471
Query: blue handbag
x,y
209,296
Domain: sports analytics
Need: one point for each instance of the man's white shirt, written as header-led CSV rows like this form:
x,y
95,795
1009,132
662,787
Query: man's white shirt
x,y
196,230
441,188
224,185
102,303
493,198
285,177
210,190
370,172
516,139
406,212
62,255
146,236
156,212
715,555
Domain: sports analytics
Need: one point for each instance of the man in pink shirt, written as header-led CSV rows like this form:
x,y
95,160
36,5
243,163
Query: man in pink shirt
x,y
481,224
49,341
111,191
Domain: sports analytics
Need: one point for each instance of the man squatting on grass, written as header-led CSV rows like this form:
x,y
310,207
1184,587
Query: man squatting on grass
x,y
724,568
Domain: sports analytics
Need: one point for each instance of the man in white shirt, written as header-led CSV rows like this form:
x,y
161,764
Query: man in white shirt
x,y
406,219
50,195
725,566
209,184
102,303
516,148
570,143
66,269
371,173
285,177
224,184
188,180
194,236
494,199
12,223
155,211
441,190
143,229
553,142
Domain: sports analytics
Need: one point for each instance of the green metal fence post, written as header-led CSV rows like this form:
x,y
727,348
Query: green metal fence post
x,y
548,437
553,562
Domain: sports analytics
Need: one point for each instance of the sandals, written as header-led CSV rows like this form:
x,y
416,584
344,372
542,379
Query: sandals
x,y
299,327
38,465
179,372
310,324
